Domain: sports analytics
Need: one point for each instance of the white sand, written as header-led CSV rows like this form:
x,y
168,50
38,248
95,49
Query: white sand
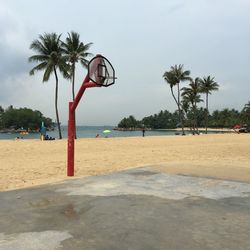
x,y
32,162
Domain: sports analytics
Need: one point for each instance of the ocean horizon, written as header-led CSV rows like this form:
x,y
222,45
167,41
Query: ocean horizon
x,y
91,132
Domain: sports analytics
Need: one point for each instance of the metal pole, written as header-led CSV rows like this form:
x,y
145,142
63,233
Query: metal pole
x,y
71,127
71,122
71,141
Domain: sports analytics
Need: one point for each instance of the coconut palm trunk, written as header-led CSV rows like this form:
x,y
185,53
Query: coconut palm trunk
x,y
56,106
73,81
174,96
195,118
207,86
195,121
206,117
179,110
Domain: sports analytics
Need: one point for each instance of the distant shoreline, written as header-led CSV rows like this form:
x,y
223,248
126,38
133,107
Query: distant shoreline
x,y
17,131
222,130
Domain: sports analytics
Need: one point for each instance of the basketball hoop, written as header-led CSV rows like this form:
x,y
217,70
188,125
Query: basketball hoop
x,y
100,74
101,71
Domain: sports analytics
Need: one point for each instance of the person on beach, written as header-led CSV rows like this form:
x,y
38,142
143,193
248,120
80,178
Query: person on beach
x,y
42,132
143,132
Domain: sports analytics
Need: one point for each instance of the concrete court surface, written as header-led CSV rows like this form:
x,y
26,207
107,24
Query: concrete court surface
x,y
134,209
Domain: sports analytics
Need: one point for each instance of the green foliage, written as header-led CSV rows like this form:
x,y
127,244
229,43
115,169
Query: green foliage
x,y
225,118
49,56
23,118
245,114
208,85
75,51
129,122
162,120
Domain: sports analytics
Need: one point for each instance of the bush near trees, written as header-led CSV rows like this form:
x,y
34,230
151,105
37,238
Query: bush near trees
x,y
225,118
25,118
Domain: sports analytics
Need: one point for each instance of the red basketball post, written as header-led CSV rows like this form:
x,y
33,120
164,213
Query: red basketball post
x,y
94,78
71,124
71,140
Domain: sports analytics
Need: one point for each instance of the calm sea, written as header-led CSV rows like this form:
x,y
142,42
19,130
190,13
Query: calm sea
x,y
89,132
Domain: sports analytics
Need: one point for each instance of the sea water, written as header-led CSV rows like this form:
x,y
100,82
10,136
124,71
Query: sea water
x,y
91,132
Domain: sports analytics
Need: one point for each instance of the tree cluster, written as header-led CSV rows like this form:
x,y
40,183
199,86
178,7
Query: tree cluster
x,y
225,118
23,118
162,120
188,97
54,55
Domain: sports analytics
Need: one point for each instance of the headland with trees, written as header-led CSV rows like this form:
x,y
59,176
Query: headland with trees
x,y
23,119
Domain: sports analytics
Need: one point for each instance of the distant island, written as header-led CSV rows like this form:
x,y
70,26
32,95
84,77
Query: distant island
x,y
22,120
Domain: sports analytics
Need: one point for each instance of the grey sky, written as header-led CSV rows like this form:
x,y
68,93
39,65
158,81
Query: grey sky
x,y
142,38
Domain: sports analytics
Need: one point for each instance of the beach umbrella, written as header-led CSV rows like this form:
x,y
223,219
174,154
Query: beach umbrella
x,y
106,131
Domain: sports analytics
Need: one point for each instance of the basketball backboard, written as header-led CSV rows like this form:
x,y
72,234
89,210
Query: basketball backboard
x,y
101,71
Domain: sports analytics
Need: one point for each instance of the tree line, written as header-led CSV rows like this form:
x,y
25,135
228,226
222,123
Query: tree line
x,y
23,118
225,118
188,114
54,56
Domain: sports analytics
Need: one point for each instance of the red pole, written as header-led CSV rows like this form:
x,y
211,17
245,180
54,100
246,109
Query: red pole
x,y
84,86
71,127
71,140
71,122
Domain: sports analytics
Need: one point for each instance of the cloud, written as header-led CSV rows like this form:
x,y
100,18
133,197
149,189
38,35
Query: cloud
x,y
142,39
14,54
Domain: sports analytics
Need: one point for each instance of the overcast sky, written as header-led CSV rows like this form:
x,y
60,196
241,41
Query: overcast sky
x,y
142,39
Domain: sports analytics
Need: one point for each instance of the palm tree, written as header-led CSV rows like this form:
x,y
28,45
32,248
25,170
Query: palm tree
x,y
50,59
207,86
191,95
75,52
174,77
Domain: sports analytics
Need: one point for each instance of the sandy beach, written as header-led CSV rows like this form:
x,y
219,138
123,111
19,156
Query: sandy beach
x,y
26,163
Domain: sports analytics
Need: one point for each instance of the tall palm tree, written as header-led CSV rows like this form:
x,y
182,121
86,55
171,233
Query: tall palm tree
x,y
75,51
176,75
191,95
207,86
49,59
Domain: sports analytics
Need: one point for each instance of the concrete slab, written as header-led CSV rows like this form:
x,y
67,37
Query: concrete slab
x,y
135,209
